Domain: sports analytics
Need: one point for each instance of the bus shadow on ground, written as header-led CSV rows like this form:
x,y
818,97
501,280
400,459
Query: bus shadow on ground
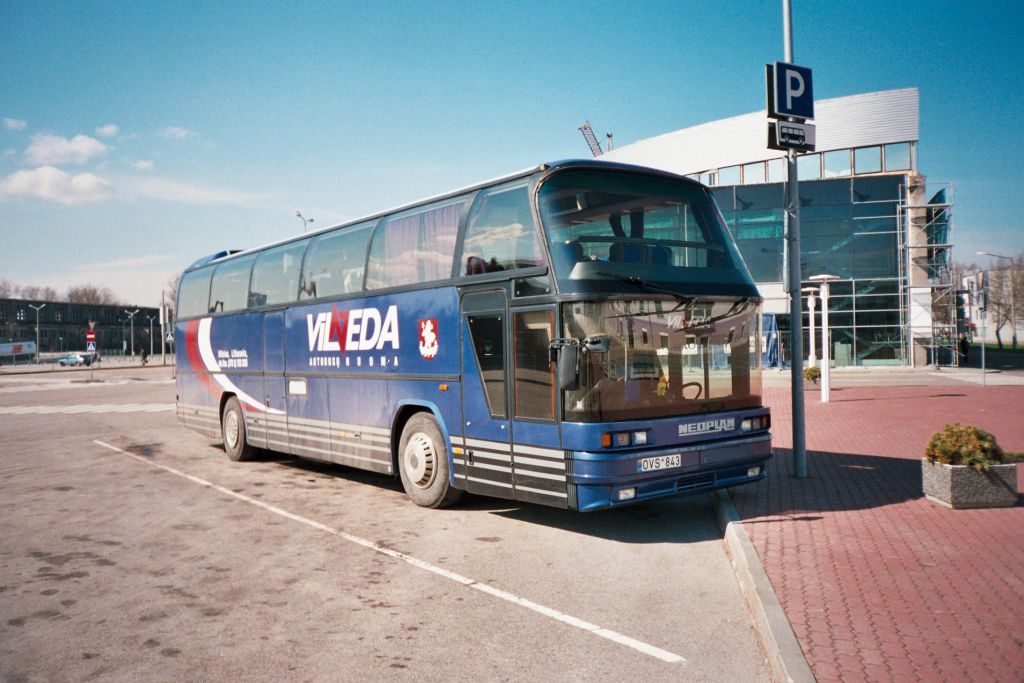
x,y
836,482
687,519
333,470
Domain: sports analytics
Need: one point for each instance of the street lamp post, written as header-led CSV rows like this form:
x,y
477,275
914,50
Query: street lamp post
x,y
131,319
151,317
37,309
305,221
812,356
826,347
1013,288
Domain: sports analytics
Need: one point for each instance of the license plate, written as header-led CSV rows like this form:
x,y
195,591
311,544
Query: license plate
x,y
660,462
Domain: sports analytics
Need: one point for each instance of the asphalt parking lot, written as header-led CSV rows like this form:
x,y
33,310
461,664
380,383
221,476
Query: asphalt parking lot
x,y
134,550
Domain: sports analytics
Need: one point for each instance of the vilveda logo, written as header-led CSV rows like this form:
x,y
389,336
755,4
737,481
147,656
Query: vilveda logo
x,y
429,344
358,329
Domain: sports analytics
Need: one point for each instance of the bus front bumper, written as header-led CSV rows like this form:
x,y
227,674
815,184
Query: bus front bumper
x,y
601,481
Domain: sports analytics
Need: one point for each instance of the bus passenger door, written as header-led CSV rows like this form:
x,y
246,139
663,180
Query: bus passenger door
x,y
538,461
485,464
276,430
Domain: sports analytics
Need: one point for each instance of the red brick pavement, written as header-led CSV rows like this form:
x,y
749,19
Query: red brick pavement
x,y
878,582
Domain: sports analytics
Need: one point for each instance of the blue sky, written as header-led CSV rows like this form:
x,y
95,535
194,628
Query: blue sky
x,y
137,137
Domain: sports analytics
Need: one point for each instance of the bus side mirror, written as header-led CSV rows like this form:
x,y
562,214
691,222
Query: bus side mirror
x,y
568,374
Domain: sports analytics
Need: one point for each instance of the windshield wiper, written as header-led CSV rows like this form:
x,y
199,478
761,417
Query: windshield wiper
x,y
649,287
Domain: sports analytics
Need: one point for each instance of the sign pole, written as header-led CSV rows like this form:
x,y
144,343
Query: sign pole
x,y
163,331
792,265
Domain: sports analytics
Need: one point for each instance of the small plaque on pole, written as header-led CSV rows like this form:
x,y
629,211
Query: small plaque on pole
x,y
791,135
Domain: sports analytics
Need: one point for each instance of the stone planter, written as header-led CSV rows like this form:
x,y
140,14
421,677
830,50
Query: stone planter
x,y
960,486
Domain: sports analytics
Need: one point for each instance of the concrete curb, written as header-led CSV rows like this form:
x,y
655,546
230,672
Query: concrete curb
x,y
774,633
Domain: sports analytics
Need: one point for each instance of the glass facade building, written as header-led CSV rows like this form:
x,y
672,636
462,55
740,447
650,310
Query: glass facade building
x,y
866,216
63,325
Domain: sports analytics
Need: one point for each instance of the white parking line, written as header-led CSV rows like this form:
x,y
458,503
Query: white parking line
x,y
89,408
12,385
608,634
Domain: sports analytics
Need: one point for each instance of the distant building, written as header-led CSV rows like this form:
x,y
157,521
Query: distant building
x,y
866,216
62,326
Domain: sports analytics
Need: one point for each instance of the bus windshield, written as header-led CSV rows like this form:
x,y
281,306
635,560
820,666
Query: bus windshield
x,y
664,359
611,231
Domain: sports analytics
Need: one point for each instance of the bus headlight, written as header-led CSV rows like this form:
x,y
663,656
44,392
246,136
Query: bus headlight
x,y
624,439
759,422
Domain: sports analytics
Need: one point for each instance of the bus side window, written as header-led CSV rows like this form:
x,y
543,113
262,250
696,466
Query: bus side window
x,y
334,263
415,247
194,293
500,234
488,344
230,287
275,277
534,373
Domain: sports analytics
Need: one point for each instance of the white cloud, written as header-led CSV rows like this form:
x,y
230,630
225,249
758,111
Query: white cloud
x,y
138,281
15,124
55,185
132,262
143,165
52,149
108,131
168,190
176,133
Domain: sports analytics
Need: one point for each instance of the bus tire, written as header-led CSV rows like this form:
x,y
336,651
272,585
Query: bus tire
x,y
423,463
232,428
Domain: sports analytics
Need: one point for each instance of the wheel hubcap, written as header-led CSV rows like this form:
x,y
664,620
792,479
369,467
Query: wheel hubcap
x,y
231,429
420,460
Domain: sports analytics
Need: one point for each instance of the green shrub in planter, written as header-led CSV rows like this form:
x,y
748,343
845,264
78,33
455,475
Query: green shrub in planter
x,y
812,373
960,444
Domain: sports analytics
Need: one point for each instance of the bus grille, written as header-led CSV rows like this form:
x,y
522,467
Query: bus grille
x,y
696,481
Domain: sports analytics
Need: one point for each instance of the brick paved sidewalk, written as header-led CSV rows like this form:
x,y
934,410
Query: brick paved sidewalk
x,y
879,583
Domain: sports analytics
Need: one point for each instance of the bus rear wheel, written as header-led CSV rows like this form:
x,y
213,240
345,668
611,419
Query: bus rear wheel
x,y
423,463
232,427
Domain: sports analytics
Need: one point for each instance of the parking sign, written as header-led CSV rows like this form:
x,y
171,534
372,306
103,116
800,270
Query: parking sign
x,y
790,91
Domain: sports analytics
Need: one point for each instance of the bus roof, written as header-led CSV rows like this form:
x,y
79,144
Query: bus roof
x,y
526,172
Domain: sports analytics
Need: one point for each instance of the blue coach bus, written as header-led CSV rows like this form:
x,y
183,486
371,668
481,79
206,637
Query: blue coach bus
x,y
580,334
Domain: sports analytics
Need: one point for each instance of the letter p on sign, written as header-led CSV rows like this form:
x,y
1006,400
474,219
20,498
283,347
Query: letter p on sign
x,y
793,94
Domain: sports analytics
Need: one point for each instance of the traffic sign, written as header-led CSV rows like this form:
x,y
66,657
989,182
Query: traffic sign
x,y
791,135
790,92
169,338
90,346
90,337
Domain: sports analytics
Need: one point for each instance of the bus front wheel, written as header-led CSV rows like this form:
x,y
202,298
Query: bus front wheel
x,y
232,427
423,463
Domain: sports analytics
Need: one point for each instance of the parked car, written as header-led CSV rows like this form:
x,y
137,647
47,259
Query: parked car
x,y
74,359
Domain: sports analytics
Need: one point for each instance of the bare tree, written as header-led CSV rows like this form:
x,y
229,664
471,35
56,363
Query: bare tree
x,y
1005,294
91,294
171,291
36,293
7,288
